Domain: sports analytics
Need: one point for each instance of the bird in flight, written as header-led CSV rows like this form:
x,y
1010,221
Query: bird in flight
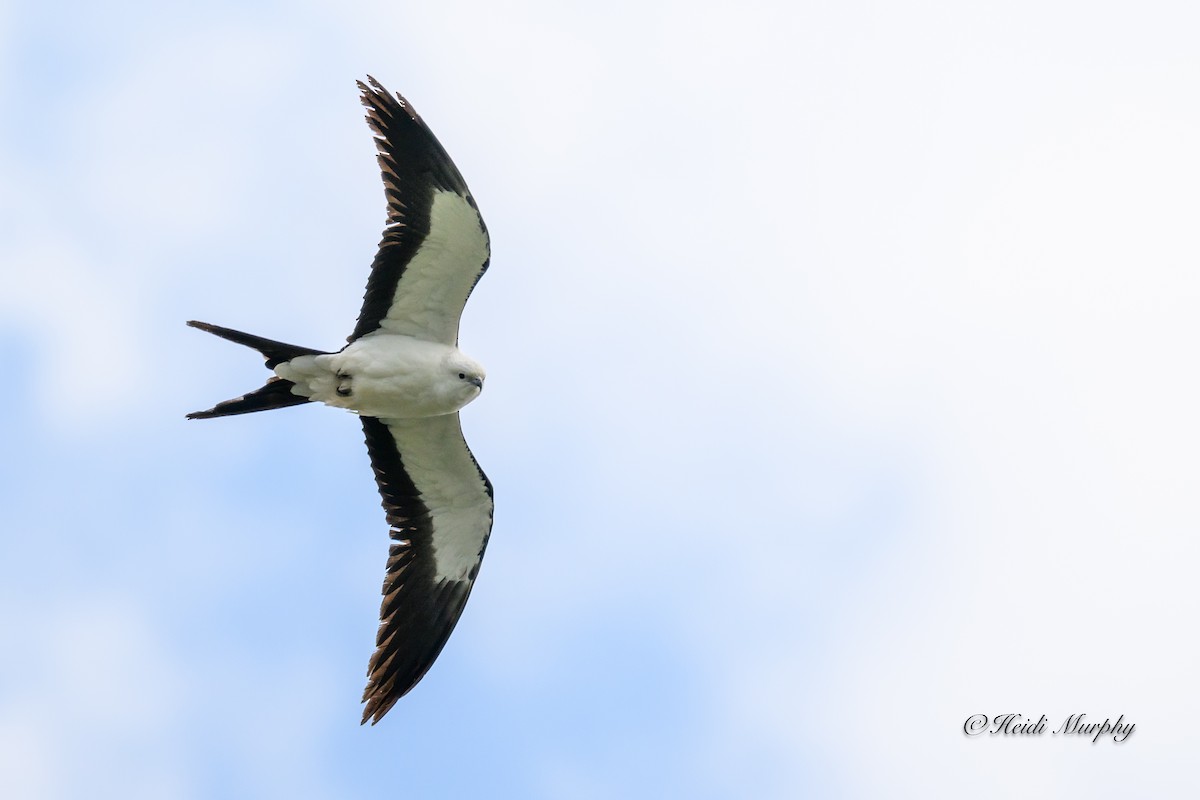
x,y
403,374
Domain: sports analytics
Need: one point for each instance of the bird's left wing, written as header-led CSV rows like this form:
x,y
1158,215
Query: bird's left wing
x,y
435,247
439,507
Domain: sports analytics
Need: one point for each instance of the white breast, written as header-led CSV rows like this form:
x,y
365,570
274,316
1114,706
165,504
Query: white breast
x,y
381,375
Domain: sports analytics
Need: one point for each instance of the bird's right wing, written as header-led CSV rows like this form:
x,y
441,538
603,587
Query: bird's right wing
x,y
435,246
439,507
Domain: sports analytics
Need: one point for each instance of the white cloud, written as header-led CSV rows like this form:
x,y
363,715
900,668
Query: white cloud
x,y
83,328
93,706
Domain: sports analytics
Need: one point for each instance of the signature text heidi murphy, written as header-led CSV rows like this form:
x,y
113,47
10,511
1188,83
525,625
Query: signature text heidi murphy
x,y
1074,725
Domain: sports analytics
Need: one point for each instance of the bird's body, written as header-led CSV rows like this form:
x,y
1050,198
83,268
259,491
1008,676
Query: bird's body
x,y
403,374
388,375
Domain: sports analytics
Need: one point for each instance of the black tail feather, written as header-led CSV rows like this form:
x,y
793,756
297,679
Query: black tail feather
x,y
274,352
276,394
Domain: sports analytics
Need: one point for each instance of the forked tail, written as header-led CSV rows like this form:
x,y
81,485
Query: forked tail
x,y
277,393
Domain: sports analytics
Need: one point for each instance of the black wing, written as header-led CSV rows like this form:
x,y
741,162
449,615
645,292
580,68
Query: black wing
x,y
435,246
439,507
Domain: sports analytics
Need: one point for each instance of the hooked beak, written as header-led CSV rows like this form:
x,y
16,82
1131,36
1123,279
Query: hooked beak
x,y
478,383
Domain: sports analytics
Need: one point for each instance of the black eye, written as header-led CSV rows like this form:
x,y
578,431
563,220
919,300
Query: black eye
x,y
462,376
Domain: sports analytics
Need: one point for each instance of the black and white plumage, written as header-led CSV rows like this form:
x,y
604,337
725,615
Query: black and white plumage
x,y
403,374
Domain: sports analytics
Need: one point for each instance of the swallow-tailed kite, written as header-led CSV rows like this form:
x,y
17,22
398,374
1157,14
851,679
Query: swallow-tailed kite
x,y
404,376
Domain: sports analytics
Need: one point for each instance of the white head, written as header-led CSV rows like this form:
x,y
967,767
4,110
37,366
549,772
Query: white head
x,y
463,378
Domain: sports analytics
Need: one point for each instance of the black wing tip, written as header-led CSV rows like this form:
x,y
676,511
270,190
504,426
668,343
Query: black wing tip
x,y
376,708
375,94
375,86
382,692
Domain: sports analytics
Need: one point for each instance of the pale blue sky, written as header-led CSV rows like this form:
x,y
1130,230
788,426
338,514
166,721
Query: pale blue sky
x,y
841,386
